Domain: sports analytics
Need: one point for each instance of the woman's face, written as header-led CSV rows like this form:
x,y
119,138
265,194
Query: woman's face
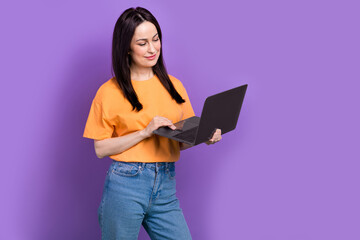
x,y
145,45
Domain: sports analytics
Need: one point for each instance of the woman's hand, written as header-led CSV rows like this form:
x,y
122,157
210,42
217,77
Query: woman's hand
x,y
155,123
215,138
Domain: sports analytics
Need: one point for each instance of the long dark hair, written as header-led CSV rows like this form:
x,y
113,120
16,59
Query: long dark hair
x,y
121,60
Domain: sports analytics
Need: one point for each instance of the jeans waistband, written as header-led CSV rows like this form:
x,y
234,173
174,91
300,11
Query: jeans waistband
x,y
152,165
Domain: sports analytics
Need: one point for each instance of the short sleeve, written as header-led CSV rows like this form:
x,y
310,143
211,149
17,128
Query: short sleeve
x,y
97,125
186,106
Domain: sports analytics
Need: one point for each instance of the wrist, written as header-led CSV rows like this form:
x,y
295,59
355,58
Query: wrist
x,y
143,134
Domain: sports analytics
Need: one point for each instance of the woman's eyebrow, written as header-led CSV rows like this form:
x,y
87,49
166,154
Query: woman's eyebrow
x,y
144,39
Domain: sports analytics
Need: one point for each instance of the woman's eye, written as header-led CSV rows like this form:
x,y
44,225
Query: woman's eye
x,y
142,44
156,39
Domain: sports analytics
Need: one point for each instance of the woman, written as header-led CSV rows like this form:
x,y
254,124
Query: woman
x,y
140,184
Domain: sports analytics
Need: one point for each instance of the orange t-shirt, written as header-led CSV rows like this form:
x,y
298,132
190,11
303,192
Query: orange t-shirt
x,y
111,115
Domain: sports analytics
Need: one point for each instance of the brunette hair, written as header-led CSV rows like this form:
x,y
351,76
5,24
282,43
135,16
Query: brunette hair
x,y
123,32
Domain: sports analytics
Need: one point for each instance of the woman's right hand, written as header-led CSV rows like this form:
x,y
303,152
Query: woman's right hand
x,y
155,123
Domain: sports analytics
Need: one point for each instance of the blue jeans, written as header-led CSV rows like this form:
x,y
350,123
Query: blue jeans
x,y
138,194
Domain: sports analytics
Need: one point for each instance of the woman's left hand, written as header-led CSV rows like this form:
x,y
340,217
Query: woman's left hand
x,y
215,138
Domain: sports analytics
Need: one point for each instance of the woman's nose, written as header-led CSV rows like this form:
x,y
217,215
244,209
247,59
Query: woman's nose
x,y
151,48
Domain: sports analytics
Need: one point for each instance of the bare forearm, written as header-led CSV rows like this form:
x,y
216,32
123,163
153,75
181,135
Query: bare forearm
x,y
112,146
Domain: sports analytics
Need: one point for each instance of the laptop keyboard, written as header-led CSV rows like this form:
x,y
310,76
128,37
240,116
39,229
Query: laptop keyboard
x,y
188,135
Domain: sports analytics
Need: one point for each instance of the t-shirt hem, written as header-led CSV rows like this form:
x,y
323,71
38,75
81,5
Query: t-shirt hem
x,y
126,160
95,137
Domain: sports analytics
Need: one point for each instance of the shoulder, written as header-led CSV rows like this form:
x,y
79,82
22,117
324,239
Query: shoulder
x,y
107,91
178,85
176,82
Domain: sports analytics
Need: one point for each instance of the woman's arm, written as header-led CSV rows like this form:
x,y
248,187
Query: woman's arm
x,y
111,146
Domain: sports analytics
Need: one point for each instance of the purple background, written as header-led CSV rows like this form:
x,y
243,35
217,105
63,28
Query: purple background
x,y
290,171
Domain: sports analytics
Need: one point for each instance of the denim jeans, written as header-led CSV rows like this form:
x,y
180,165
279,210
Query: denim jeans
x,y
138,194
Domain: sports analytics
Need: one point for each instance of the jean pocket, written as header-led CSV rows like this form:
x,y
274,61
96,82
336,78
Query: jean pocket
x,y
126,169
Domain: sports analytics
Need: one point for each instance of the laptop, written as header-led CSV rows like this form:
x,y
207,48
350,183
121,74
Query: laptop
x,y
221,111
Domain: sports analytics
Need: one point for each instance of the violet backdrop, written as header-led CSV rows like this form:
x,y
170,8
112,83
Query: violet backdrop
x,y
290,171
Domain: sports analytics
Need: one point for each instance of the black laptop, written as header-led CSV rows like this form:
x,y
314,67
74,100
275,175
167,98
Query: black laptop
x,y
221,111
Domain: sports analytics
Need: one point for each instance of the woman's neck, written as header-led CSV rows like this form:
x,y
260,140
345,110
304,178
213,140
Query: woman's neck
x,y
141,74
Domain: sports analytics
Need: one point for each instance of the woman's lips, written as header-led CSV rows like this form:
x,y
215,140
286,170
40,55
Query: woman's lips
x,y
151,57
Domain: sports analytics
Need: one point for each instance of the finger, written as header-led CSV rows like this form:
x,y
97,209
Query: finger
x,y
169,124
218,131
162,124
166,122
